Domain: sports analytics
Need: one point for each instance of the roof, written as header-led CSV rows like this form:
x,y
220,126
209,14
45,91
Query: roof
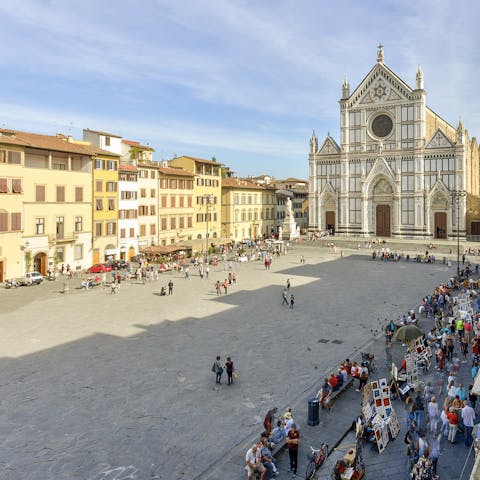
x,y
175,171
232,182
290,180
201,160
106,134
137,144
129,168
59,143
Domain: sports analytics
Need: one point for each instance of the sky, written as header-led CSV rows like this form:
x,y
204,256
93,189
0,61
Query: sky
x,y
245,81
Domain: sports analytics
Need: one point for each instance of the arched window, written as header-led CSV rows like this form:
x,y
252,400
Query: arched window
x,y
199,236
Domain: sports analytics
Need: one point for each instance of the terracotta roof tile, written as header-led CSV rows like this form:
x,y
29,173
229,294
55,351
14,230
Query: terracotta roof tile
x,y
241,183
106,134
201,160
175,171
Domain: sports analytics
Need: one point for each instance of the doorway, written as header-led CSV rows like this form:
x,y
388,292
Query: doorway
x,y
40,263
383,221
2,265
330,221
440,225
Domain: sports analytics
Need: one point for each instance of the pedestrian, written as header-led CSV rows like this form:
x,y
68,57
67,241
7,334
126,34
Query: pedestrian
x,y
435,452
433,415
269,419
234,278
113,288
229,369
468,417
207,270
285,297
288,284
225,286
218,287
363,378
452,418
292,301
292,441
170,287
218,370
187,273
388,353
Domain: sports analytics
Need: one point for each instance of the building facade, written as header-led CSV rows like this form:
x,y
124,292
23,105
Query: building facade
x,y
248,209
176,210
147,203
207,191
399,170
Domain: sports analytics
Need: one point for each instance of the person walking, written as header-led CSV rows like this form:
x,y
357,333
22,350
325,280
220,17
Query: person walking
x,y
288,284
170,287
468,417
285,298
452,418
229,369
218,287
433,415
292,441
218,370
292,301
225,286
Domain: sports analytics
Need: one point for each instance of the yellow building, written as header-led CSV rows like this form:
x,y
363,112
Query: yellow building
x,y
207,192
57,200
105,207
175,206
11,206
248,209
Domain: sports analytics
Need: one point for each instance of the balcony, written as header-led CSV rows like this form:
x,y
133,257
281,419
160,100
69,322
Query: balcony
x,y
65,237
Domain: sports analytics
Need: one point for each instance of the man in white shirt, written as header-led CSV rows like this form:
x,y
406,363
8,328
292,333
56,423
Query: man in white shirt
x,y
253,463
468,416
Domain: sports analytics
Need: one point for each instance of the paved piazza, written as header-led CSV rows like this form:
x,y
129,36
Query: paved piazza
x,y
96,386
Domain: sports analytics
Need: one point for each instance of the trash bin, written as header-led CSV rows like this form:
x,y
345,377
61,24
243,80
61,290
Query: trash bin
x,y
313,413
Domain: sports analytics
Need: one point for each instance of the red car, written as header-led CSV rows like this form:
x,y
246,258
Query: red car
x,y
100,268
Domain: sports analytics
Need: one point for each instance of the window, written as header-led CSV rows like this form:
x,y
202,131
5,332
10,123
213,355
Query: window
x,y
200,182
143,193
107,141
354,210
112,228
3,221
132,232
199,200
152,174
111,204
60,227
408,211
181,221
78,224
355,119
407,166
122,233
98,229
14,157
60,254
173,183
4,185
153,193
39,226
98,186
199,217
143,230
99,164
354,184
111,165
78,252
407,114
236,198
164,223
407,131
173,201
189,201
153,210
79,194
408,183
60,194
111,186
173,223
181,201
164,201
98,204
189,222
40,193
16,221
17,185
355,135
153,228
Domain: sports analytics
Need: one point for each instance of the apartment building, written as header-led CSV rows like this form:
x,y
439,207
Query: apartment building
x,y
248,209
11,206
147,203
176,208
207,192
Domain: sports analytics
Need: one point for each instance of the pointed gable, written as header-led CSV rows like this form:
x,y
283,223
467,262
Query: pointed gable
x,y
380,85
329,147
439,140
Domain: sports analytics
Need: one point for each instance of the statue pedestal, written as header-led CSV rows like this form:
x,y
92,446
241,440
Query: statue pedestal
x,y
289,231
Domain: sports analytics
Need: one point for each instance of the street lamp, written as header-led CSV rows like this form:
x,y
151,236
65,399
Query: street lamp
x,y
457,195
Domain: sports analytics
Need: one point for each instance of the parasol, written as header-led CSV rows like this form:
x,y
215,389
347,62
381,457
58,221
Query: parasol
x,y
408,333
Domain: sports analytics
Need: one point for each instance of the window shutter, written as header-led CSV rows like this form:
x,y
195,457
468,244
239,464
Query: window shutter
x,y
3,185
40,193
60,194
78,194
16,221
3,221
17,185
14,157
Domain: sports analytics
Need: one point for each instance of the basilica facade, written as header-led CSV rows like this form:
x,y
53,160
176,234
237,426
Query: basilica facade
x,y
399,169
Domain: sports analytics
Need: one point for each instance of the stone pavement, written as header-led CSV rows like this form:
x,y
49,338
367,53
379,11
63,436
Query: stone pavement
x,y
96,386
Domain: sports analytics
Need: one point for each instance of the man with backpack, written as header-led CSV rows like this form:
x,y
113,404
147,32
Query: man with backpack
x,y
218,370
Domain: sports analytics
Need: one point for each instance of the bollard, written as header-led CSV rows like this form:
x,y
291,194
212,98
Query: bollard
x,y
313,412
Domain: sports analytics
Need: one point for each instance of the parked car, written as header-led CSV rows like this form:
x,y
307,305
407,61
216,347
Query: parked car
x,y
100,268
32,278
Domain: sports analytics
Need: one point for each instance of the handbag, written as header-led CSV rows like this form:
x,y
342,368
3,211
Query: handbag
x,y
234,375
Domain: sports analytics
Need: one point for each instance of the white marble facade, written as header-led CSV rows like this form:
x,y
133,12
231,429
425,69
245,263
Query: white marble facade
x,y
394,170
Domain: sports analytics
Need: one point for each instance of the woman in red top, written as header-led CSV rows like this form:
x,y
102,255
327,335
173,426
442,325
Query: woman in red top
x,y
452,418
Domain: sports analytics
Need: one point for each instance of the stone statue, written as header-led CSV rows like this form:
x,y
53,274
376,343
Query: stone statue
x,y
289,213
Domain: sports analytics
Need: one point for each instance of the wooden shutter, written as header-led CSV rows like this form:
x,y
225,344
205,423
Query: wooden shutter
x,y
16,221
98,185
14,157
40,193
3,185
17,185
79,194
3,221
60,194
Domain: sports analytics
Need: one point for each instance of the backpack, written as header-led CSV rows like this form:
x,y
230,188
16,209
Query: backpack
x,y
213,368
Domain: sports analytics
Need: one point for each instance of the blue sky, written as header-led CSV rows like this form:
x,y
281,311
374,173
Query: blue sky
x,y
244,81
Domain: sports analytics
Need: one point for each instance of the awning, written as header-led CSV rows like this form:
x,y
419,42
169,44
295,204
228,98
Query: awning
x,y
163,249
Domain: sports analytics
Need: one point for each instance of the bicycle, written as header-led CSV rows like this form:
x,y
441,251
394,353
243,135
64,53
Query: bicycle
x,y
317,458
